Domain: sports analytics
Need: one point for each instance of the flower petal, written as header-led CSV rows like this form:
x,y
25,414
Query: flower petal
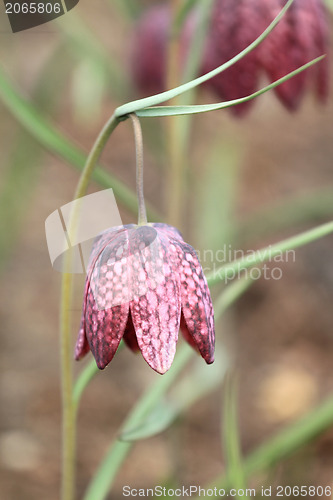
x,y
155,314
100,242
196,302
107,299
104,329
82,345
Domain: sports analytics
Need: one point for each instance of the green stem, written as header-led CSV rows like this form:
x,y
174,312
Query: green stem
x,y
54,141
85,377
68,403
94,155
68,413
142,214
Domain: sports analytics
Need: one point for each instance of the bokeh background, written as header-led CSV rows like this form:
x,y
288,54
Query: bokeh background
x,y
252,182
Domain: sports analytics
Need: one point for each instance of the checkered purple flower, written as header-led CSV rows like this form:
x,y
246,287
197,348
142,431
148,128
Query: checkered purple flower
x,y
143,284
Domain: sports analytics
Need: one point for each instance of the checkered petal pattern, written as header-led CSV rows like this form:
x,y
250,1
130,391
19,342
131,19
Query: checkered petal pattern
x,y
141,281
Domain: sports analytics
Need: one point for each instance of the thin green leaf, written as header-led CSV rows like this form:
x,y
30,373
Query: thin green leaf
x,y
85,377
199,382
83,380
55,142
24,164
258,257
160,418
283,444
205,108
230,436
231,293
139,104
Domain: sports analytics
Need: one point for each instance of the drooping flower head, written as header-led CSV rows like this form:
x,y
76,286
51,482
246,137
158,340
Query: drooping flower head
x,y
143,284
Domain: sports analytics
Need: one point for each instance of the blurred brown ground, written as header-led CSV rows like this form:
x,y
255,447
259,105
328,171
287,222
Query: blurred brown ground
x,y
279,336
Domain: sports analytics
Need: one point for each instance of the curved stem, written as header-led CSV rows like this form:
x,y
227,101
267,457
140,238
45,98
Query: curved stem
x,y
142,214
94,155
68,403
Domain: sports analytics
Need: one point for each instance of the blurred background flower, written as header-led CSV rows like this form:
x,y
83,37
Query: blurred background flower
x,y
302,35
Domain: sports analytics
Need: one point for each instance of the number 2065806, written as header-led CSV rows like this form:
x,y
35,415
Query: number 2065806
x,y
33,8
304,491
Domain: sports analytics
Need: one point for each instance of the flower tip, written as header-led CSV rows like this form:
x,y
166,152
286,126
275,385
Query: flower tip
x,y
158,365
101,364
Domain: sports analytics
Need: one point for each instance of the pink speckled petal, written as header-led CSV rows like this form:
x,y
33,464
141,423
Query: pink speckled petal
x,y
104,329
196,302
156,314
106,284
99,245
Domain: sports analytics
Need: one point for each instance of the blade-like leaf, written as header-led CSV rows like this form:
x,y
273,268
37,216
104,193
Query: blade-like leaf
x,y
55,142
283,444
205,108
135,106
231,270
198,383
160,418
230,436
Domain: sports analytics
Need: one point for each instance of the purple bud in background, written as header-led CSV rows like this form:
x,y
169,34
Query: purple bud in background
x,y
149,52
301,35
